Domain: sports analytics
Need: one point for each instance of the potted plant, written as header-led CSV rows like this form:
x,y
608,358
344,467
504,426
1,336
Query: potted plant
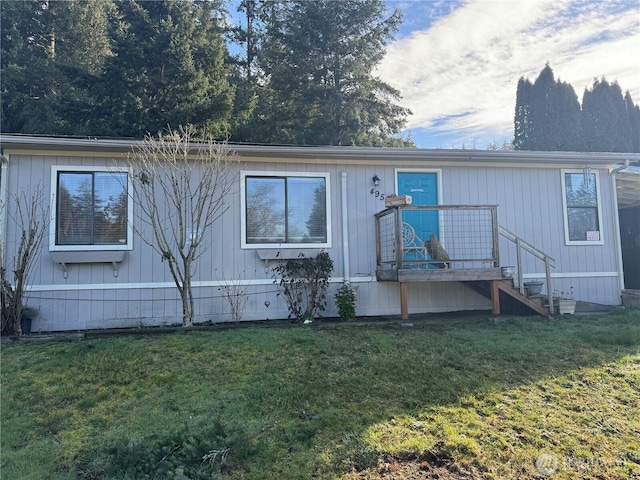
x,y
26,317
534,287
564,303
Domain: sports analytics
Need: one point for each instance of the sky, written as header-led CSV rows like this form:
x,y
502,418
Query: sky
x,y
457,63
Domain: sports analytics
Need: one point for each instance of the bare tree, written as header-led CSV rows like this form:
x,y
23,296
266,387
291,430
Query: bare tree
x,y
180,188
30,216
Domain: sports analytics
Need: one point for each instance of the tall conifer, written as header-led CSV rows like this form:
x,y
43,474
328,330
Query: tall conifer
x,y
605,120
318,59
633,111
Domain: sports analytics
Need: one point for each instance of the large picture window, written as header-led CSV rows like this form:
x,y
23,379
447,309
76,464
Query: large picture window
x,y
285,210
91,209
581,200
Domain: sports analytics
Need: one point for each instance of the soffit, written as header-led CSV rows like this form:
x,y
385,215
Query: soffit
x,y
628,188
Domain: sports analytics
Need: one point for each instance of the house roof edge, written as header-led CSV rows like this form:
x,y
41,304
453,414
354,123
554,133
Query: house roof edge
x,y
335,153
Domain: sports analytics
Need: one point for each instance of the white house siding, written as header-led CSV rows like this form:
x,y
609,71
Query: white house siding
x,y
530,205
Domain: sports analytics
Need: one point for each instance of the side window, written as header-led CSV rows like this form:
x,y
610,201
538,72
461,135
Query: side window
x,y
91,209
285,209
582,211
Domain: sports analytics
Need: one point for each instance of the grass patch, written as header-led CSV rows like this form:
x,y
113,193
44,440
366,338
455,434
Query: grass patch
x,y
481,397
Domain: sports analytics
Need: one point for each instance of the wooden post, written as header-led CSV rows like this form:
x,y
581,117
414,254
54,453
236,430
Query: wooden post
x,y
519,267
496,236
378,246
398,237
495,297
547,272
404,301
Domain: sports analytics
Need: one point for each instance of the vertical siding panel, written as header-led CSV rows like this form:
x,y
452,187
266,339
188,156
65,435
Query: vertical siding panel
x,y
109,305
73,317
530,205
96,307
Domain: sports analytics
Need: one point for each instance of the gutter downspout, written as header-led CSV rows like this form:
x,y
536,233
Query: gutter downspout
x,y
345,229
616,221
4,200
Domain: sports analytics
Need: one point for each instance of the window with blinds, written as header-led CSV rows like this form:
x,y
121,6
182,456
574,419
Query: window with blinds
x,y
91,208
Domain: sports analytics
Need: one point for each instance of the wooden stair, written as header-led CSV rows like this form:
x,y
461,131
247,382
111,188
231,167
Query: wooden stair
x,y
504,294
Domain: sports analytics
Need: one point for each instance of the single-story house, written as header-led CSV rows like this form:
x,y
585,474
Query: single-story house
x,y
412,230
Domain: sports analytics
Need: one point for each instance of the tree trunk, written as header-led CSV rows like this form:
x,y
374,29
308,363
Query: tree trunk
x,y
187,312
187,297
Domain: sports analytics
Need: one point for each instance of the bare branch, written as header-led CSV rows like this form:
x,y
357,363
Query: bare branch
x,y
30,217
179,189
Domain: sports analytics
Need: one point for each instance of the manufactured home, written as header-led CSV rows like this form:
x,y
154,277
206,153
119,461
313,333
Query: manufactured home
x,y
412,231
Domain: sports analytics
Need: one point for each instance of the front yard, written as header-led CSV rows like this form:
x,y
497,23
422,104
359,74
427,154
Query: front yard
x,y
449,397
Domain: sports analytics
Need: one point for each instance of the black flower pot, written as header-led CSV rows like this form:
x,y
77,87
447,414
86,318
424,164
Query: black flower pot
x,y
25,325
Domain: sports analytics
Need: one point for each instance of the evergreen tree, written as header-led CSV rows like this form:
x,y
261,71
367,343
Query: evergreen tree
x,y
522,121
248,35
553,115
633,111
168,69
317,58
569,134
541,110
605,119
548,117
246,75
51,53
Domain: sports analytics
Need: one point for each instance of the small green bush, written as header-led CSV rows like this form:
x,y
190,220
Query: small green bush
x,y
345,301
162,455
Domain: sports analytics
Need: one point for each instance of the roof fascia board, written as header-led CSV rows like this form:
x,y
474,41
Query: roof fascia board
x,y
331,155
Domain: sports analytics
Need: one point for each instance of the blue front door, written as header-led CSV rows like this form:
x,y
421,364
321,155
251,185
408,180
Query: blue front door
x,y
423,188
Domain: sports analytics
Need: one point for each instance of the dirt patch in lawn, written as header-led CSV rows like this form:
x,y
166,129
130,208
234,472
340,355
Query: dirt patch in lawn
x,y
420,469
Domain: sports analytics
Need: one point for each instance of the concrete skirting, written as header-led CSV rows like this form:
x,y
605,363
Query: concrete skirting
x,y
631,299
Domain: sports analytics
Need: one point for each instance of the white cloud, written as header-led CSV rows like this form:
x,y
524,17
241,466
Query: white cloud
x,y
461,74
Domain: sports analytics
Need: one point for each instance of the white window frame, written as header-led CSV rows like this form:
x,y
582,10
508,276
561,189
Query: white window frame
x,y
53,208
271,173
565,211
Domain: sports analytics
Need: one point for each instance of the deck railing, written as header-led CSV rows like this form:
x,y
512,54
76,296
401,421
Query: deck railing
x,y
524,246
446,236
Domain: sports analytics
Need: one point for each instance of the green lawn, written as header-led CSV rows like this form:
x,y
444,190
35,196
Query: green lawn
x,y
476,395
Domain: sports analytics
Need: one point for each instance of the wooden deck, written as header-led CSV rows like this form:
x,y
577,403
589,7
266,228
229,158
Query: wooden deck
x,y
487,281
437,275
469,253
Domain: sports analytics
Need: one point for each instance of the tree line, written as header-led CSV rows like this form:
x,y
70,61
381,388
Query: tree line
x,y
293,72
549,117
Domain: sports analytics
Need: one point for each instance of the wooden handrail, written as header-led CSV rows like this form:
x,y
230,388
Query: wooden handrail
x,y
526,246
548,262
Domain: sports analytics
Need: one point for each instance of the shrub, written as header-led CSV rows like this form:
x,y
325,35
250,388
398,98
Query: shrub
x,y
236,296
304,283
345,301
180,452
